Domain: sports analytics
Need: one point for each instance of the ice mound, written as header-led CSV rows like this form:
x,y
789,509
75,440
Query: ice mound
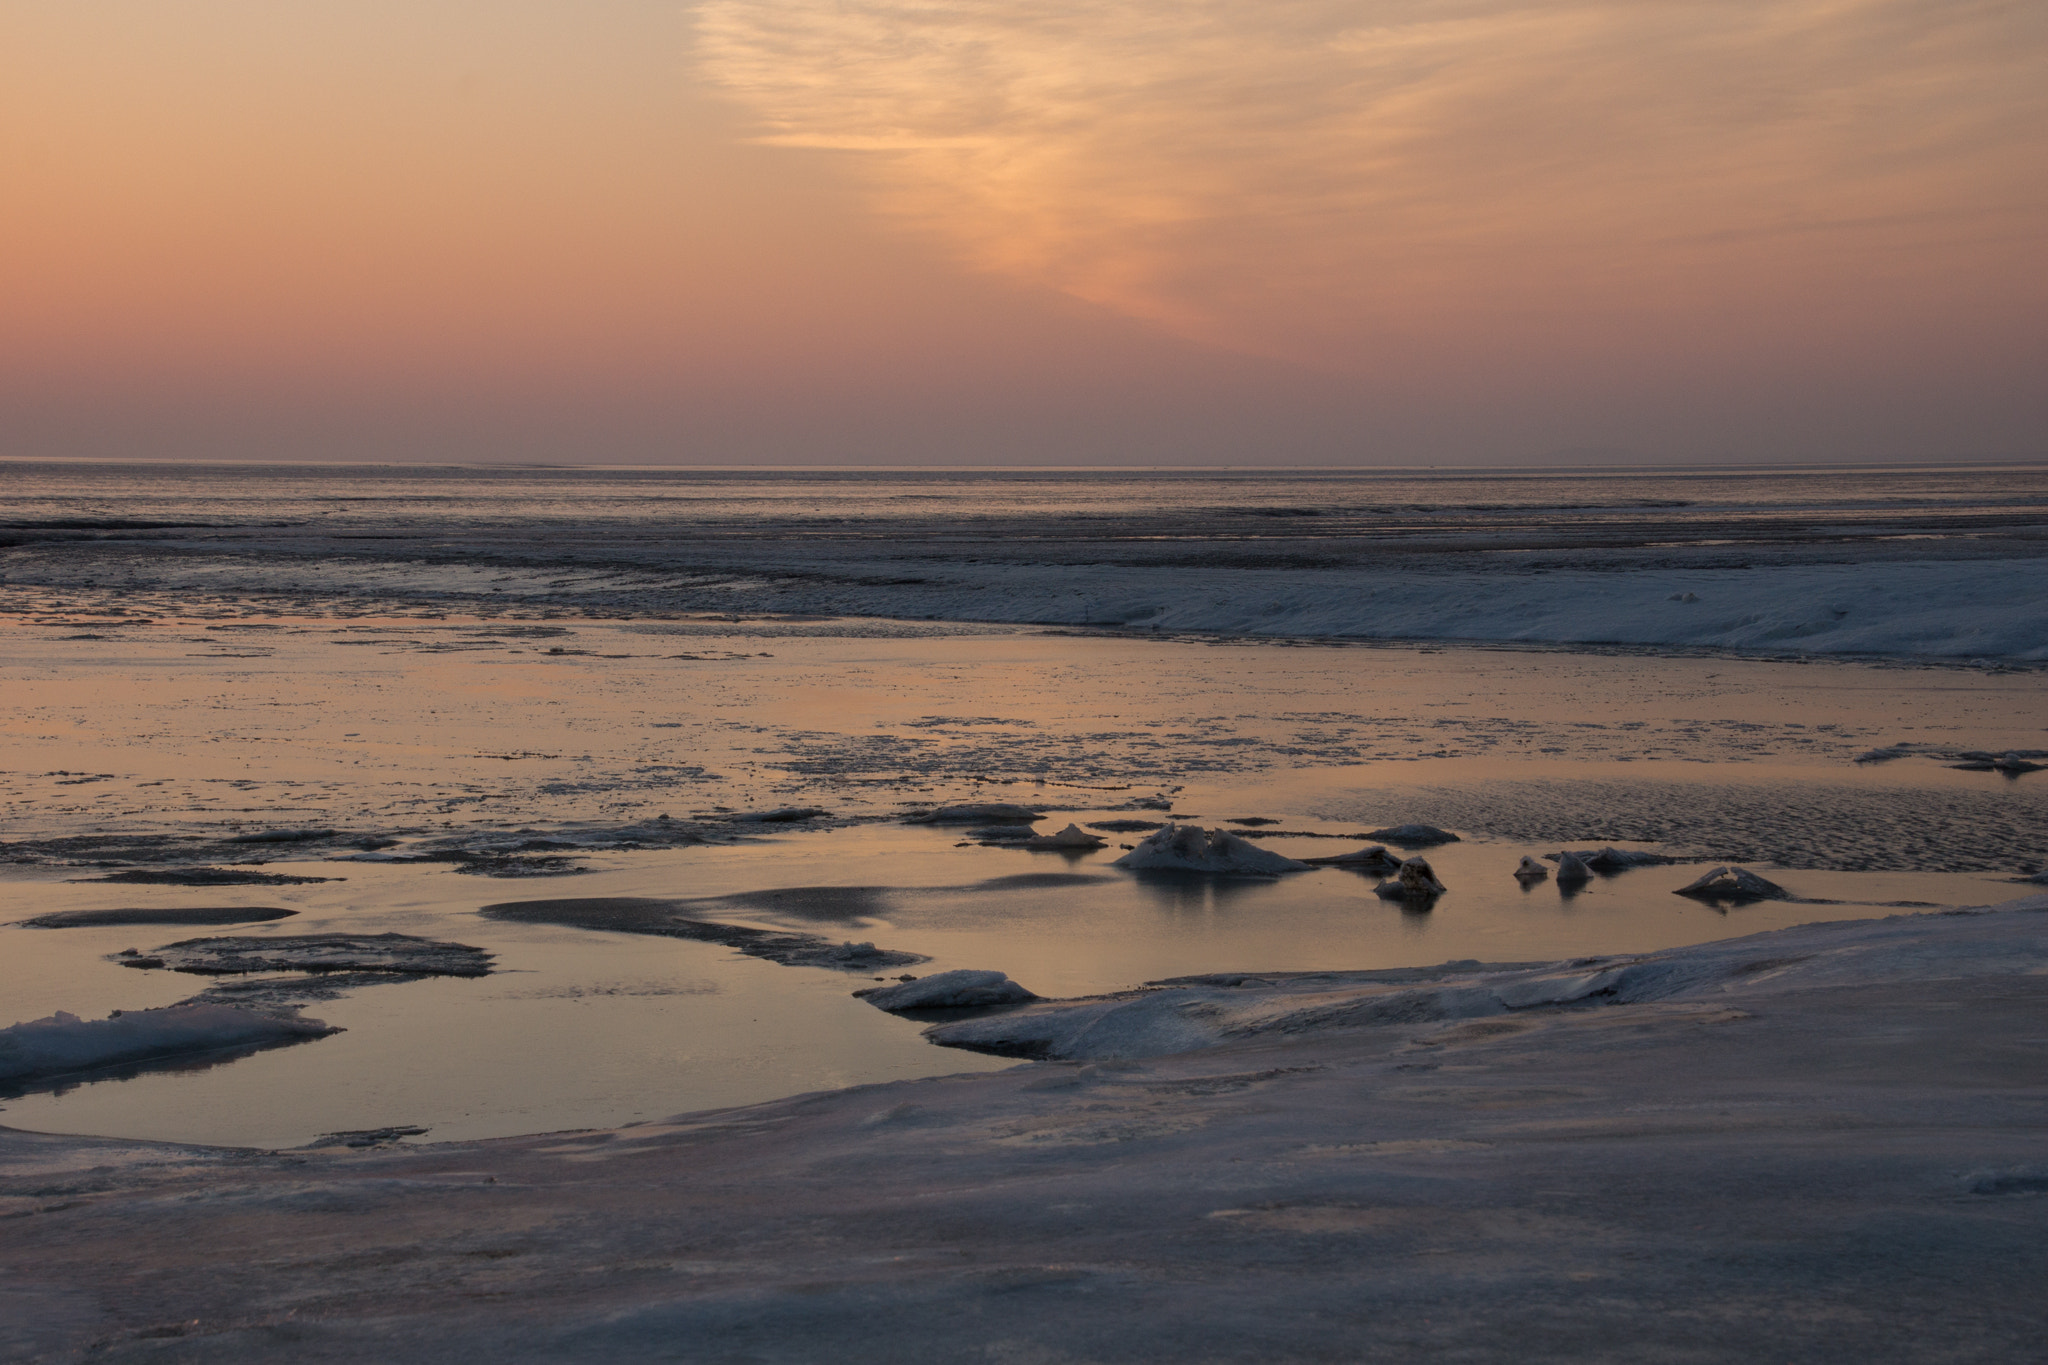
x,y
64,1042
1529,870
1073,836
1191,848
315,953
976,813
948,990
1572,870
1374,859
1733,884
1416,881
1413,836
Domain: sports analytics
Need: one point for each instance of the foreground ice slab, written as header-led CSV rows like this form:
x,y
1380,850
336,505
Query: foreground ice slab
x,y
1837,1158
64,1044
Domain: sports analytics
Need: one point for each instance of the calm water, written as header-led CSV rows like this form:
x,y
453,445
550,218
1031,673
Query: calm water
x,y
833,504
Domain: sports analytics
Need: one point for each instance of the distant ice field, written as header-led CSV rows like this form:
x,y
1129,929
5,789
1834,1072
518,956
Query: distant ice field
x,y
1936,562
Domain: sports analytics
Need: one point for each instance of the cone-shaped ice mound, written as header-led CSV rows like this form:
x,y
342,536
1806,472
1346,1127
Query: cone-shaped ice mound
x,y
948,990
1191,848
1073,836
1529,870
1733,884
1416,881
1572,870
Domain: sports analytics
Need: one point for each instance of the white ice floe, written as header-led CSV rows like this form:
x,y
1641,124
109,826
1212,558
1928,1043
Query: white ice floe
x,y
948,990
1191,848
1529,870
1572,870
64,1043
1415,881
1073,836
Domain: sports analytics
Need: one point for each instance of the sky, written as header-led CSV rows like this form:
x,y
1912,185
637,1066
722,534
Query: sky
x,y
1371,232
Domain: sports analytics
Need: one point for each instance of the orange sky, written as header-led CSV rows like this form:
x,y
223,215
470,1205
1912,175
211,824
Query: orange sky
x,y
966,231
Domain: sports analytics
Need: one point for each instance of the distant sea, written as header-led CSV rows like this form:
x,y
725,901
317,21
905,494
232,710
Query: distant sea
x,y
1933,561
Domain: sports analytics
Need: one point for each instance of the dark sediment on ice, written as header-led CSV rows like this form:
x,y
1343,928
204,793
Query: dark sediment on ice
x,y
157,914
204,876
401,953
642,915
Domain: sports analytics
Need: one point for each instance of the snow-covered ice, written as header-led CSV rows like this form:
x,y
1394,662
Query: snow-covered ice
x,y
1201,1012
948,990
63,1043
1191,848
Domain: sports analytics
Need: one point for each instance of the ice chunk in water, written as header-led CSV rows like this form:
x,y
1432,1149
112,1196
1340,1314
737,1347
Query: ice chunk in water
x,y
948,990
1191,848
63,1042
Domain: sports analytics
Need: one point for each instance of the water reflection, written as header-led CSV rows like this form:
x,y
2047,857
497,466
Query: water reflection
x,y
1183,895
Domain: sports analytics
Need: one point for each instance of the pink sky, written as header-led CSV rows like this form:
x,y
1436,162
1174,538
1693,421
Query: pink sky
x,y
1299,231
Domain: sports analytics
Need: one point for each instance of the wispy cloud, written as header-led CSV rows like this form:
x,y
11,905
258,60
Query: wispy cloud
x,y
1333,180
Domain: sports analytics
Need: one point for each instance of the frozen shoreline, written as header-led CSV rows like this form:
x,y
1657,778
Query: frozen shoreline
x,y
1873,562
1840,1160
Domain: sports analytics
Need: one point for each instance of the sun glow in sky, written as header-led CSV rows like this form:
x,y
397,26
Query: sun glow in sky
x,y
961,231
